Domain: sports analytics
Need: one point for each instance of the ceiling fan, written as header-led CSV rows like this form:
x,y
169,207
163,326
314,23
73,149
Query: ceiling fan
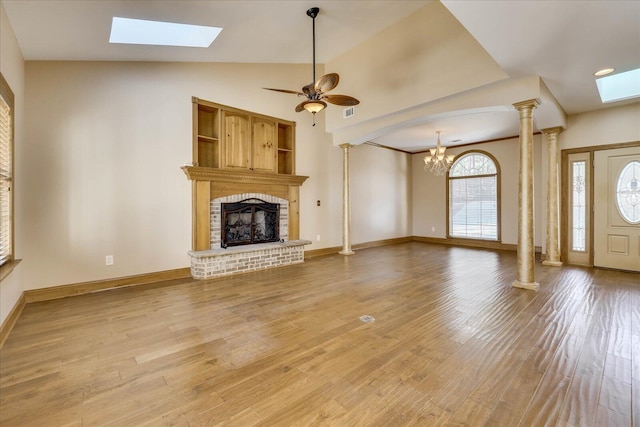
x,y
316,93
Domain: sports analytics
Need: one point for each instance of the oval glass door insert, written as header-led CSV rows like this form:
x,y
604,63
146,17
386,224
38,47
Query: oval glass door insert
x,y
628,192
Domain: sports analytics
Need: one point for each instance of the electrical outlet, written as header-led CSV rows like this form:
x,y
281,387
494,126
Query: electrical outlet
x,y
108,260
433,229
318,238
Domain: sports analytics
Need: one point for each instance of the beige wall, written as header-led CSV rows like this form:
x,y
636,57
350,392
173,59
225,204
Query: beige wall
x,y
609,126
429,191
105,142
12,68
426,56
381,194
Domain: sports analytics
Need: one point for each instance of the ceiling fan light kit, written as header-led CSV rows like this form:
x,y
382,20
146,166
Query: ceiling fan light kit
x,y
314,106
316,93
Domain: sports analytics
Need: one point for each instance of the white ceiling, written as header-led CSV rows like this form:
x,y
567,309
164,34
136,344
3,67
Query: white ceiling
x,y
563,42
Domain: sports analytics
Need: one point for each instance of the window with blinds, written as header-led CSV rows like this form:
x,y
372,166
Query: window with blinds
x,y
6,172
474,197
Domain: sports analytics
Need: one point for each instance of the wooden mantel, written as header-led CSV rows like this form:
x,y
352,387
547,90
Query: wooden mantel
x,y
211,183
196,173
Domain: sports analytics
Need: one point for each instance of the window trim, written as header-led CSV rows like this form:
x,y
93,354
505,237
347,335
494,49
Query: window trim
x,y
498,196
7,94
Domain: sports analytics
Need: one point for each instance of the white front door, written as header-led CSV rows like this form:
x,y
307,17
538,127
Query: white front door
x,y
616,205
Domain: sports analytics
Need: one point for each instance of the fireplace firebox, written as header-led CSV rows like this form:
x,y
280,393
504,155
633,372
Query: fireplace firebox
x,y
249,221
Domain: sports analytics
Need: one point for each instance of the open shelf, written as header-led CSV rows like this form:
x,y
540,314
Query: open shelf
x,y
285,162
285,136
208,122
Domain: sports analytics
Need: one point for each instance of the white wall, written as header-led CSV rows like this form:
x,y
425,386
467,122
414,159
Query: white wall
x,y
12,68
429,191
104,145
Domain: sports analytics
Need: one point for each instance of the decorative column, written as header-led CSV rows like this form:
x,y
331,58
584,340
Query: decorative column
x,y
526,250
346,203
553,216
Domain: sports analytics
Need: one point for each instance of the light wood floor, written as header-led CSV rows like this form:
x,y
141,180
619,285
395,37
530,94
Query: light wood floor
x,y
452,344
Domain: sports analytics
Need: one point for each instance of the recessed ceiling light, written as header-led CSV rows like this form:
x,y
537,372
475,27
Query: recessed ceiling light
x,y
140,31
604,72
619,86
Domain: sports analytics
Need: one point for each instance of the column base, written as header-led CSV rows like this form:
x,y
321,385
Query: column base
x,y
532,286
552,263
345,252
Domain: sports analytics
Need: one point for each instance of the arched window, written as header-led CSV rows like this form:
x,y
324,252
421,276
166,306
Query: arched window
x,y
474,197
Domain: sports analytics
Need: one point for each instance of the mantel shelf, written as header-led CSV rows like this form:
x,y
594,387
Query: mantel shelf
x,y
199,173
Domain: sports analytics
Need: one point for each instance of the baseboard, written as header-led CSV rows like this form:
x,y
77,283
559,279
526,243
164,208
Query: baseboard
x,y
64,291
10,321
335,249
321,252
485,244
382,242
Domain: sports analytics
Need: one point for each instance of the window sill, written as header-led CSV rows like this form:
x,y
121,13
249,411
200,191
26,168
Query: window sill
x,y
7,268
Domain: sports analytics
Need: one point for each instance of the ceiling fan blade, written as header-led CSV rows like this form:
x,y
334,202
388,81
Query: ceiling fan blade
x,y
327,82
300,107
341,100
295,92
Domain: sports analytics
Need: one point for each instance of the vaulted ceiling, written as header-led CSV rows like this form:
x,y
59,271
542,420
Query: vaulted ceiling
x,y
562,42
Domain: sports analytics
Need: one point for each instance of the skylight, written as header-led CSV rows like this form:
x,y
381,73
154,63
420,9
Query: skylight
x,y
617,87
140,31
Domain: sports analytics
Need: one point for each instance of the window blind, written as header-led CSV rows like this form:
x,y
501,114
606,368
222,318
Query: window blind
x,y
6,138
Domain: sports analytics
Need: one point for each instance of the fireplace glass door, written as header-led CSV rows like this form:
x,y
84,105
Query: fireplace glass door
x,y
250,221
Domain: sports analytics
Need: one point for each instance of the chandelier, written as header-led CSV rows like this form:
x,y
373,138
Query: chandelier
x,y
436,162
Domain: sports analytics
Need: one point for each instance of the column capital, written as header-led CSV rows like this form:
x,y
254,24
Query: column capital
x,y
530,103
553,131
345,145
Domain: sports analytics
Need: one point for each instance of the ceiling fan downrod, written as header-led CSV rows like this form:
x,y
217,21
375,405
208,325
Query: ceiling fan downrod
x,y
313,12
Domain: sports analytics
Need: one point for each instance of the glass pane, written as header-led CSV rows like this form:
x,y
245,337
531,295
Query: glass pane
x,y
473,210
579,202
628,192
473,164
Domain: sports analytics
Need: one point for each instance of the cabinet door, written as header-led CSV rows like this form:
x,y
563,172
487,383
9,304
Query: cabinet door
x,y
237,144
264,145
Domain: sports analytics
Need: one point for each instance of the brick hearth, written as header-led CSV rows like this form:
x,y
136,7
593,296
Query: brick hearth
x,y
240,259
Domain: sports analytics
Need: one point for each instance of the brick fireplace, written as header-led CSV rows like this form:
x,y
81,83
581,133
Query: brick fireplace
x,y
216,214
214,187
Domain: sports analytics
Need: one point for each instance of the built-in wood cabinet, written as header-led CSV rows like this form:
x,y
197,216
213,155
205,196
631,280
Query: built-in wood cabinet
x,y
264,139
230,138
237,140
